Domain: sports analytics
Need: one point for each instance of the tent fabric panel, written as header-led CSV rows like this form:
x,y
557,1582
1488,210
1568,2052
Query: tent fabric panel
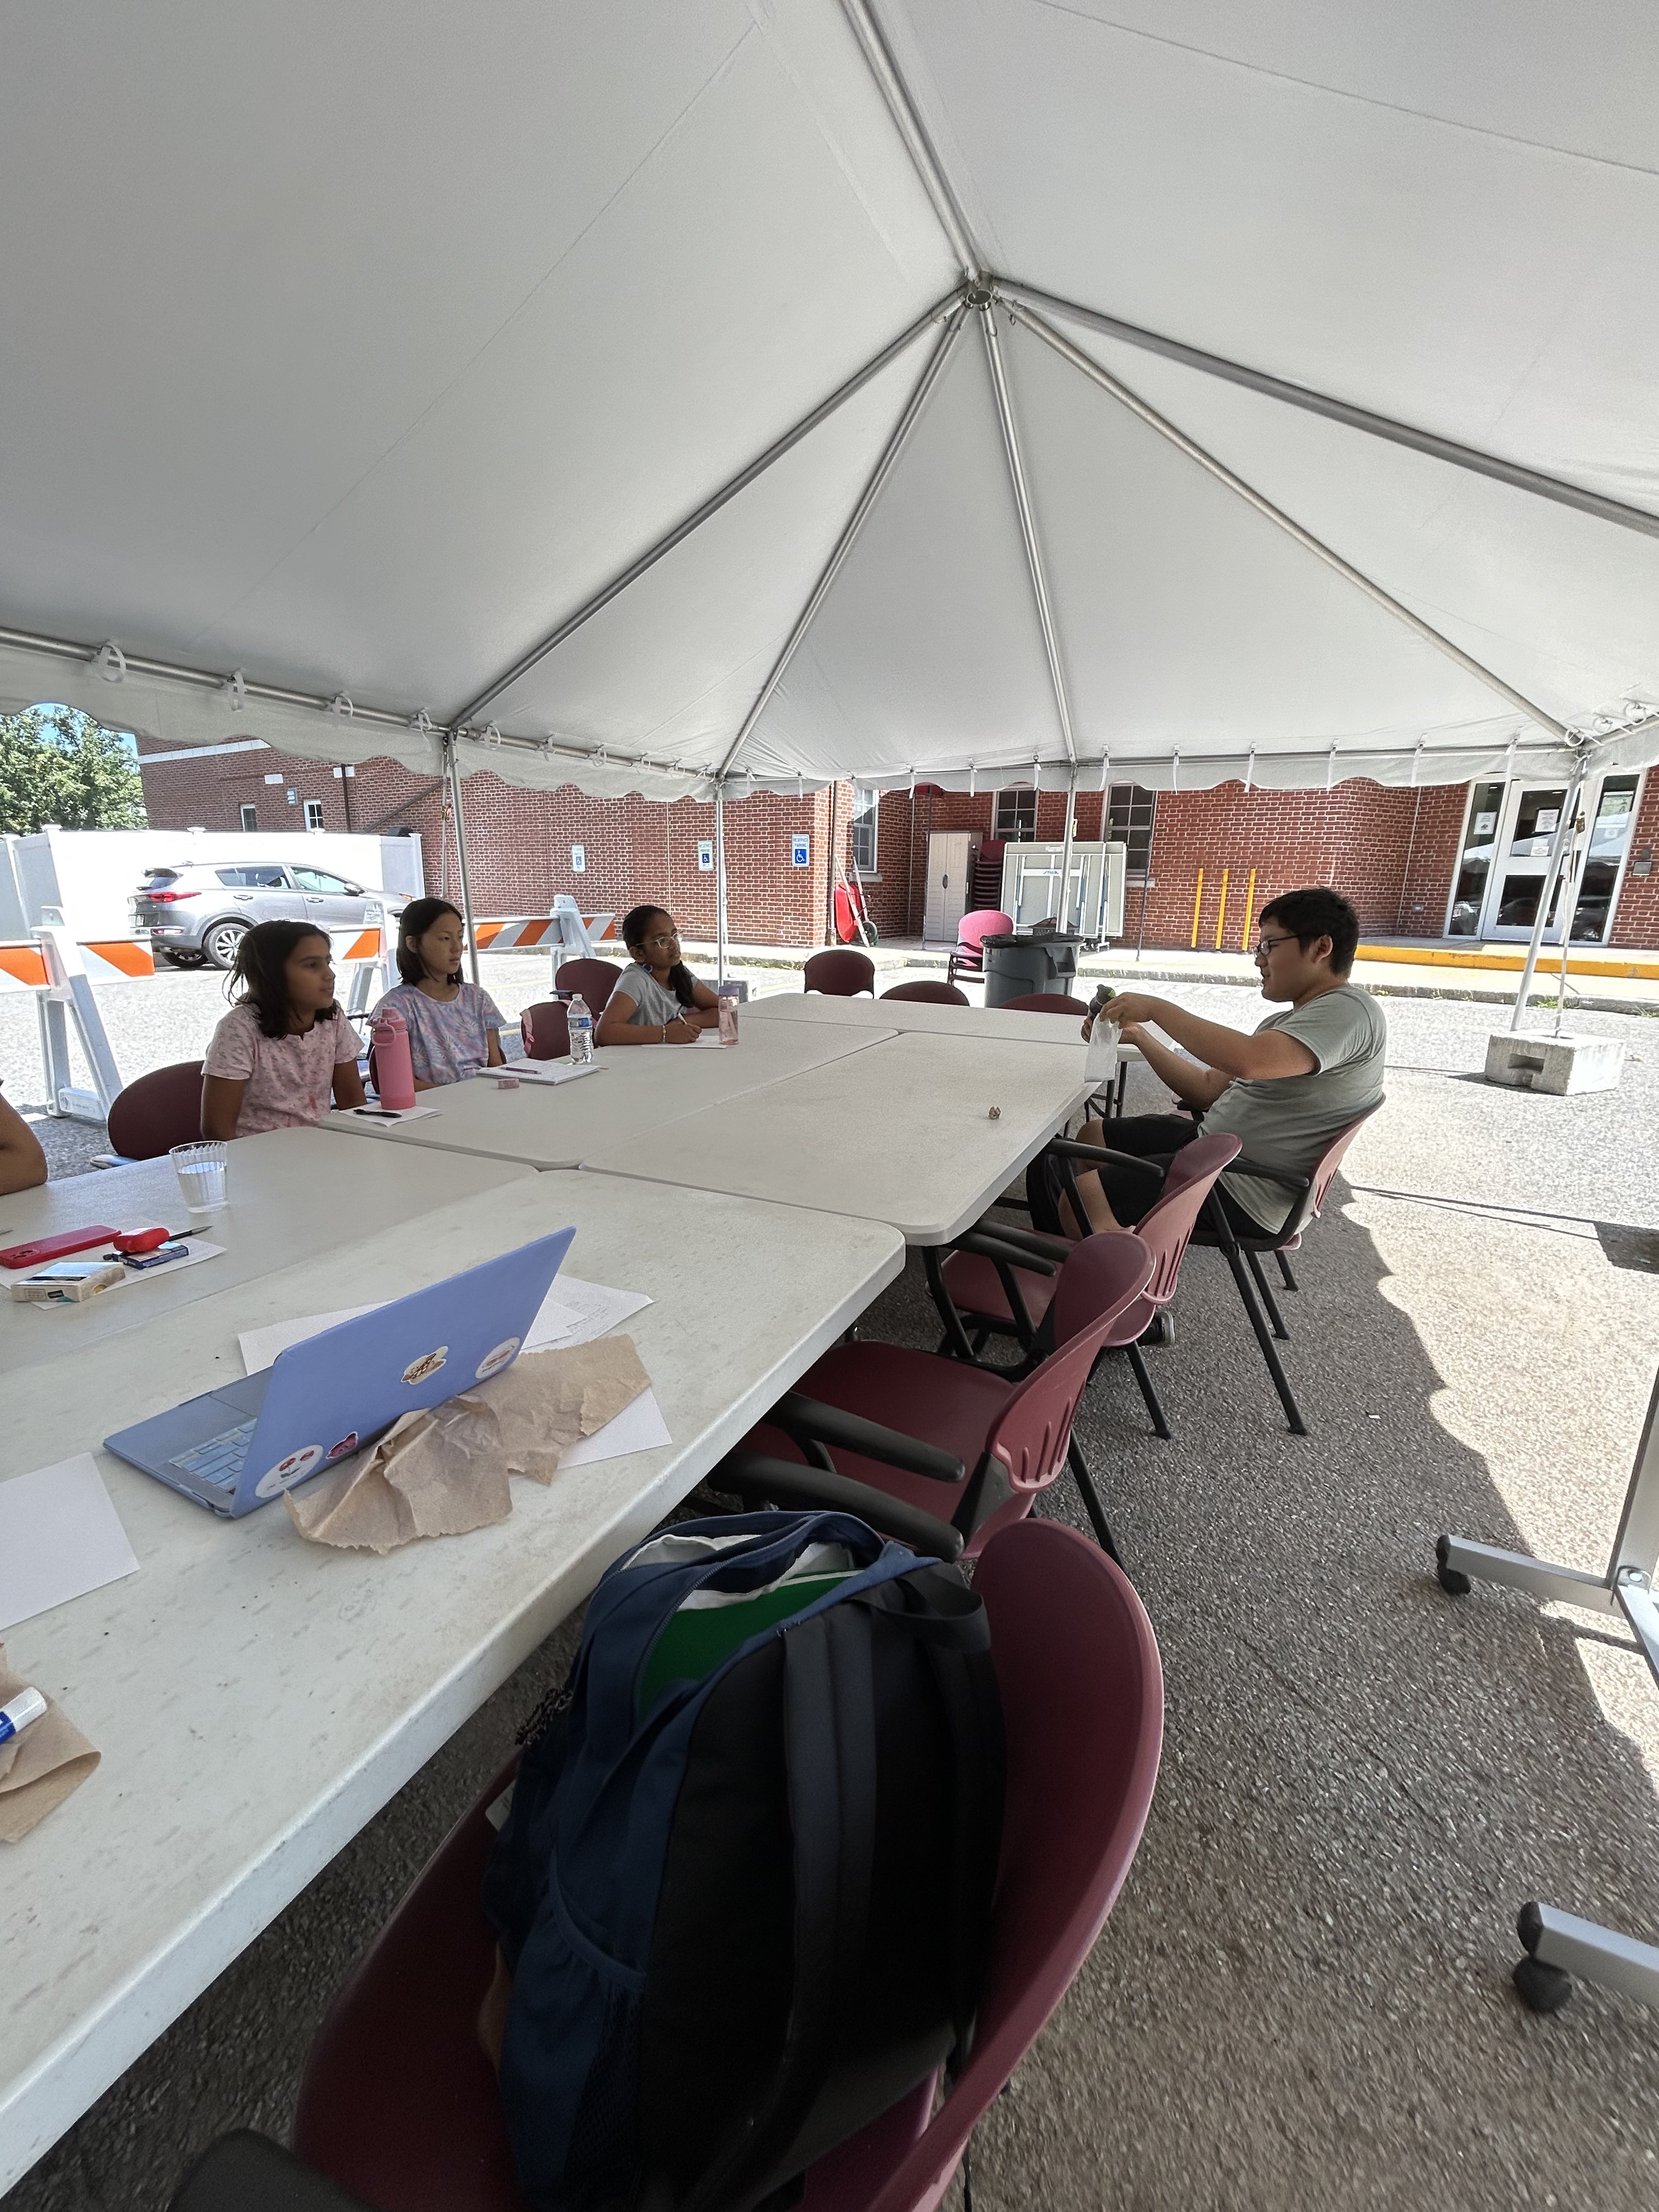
x,y
1260,182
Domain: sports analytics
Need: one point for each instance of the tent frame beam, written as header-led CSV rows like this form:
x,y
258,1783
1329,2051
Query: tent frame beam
x,y
451,768
1137,406
856,521
1028,530
924,157
1470,457
711,505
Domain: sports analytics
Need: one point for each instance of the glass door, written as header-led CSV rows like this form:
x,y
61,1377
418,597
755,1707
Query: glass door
x,y
1506,854
1521,862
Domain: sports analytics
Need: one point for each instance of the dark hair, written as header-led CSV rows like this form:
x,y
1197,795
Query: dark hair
x,y
413,921
637,925
261,969
1320,912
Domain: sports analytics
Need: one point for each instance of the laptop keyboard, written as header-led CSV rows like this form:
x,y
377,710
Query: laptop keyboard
x,y
220,1460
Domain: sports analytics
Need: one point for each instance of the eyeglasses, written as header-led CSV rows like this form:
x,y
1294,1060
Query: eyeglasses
x,y
1265,944
672,938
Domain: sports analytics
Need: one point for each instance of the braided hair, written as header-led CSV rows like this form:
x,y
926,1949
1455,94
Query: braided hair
x,y
635,928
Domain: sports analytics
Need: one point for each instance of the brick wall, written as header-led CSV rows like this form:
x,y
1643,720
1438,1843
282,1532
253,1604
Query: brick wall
x,y
1392,851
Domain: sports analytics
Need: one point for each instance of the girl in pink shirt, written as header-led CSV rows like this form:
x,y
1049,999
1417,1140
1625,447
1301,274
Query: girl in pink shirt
x,y
285,1048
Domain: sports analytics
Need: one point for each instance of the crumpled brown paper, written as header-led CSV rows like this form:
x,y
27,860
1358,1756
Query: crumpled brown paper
x,y
42,1766
441,1472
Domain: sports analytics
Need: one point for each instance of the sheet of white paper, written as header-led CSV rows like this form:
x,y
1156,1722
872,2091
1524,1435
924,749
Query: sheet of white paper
x,y
60,1536
597,1310
382,1118
197,1248
551,1071
636,1428
554,1323
709,1036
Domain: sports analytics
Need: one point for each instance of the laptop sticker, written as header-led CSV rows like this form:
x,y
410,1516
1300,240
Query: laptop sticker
x,y
493,1362
348,1443
287,1472
418,1369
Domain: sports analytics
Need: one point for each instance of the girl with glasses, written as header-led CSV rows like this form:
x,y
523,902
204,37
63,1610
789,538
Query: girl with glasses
x,y
658,999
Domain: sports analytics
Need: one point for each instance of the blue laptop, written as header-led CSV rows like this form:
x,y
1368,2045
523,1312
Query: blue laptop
x,y
235,1449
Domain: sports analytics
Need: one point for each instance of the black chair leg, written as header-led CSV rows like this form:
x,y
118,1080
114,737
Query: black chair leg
x,y
1267,1298
1138,1361
956,1336
1289,1281
1091,1504
1298,1427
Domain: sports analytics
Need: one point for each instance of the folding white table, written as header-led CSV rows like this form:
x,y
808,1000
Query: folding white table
x,y
635,1091
813,1010
294,1196
257,1699
923,1130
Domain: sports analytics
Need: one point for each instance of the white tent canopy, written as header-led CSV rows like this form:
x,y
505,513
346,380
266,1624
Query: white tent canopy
x,y
804,388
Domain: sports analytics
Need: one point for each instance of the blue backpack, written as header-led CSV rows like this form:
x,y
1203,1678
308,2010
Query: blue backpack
x,y
744,1888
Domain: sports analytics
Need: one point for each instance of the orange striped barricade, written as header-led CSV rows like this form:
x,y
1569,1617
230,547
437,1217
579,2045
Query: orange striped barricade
x,y
60,973
566,934
367,952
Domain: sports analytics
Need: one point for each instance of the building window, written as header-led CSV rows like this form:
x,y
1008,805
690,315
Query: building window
x,y
1129,815
314,814
866,801
250,815
1016,814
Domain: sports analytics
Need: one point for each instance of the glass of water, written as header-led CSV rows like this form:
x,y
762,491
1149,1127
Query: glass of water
x,y
201,1172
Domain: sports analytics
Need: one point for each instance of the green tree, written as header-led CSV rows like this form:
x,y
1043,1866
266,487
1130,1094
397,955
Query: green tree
x,y
58,765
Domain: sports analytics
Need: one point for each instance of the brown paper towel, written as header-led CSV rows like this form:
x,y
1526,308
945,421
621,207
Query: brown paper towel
x,y
40,1767
441,1472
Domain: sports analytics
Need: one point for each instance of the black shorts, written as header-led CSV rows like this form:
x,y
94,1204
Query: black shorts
x,y
1154,1138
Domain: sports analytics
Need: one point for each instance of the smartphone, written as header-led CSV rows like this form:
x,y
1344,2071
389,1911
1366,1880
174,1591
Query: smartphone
x,y
43,1248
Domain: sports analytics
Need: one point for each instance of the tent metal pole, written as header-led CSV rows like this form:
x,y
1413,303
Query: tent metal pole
x,y
719,883
1572,882
923,155
1222,474
729,490
1066,859
452,767
1546,892
1338,410
1027,527
856,521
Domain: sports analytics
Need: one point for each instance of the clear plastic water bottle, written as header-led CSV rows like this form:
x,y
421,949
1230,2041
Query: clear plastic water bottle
x,y
726,993
581,1031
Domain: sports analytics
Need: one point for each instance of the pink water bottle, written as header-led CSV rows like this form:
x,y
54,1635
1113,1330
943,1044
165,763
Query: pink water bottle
x,y
394,1074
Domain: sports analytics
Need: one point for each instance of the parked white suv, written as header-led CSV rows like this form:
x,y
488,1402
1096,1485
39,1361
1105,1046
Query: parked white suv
x,y
202,910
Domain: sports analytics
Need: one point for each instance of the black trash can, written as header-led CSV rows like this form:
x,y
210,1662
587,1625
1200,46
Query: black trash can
x,y
1016,966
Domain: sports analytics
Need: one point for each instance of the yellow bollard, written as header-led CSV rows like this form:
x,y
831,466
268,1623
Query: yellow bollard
x,y
1250,909
1221,911
1198,901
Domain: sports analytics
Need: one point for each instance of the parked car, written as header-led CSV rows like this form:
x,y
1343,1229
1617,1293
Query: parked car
x,y
202,910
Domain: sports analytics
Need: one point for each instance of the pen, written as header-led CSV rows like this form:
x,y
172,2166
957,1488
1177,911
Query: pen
x,y
17,1714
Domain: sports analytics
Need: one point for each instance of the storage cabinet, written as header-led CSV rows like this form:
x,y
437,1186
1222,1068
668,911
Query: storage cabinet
x,y
951,857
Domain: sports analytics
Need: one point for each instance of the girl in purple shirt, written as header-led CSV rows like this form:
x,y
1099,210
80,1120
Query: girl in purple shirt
x,y
452,1026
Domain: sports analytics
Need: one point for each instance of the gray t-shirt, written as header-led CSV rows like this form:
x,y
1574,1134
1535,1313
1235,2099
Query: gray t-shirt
x,y
1288,1122
654,1002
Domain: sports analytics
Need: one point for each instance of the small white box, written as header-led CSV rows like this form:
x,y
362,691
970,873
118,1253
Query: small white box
x,y
1558,1065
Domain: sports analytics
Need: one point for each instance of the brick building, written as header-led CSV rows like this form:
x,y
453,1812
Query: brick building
x,y
1405,857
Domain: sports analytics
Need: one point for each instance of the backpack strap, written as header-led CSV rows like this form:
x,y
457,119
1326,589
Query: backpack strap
x,y
829,1698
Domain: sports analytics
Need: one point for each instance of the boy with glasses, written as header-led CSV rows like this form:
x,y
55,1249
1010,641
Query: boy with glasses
x,y
1284,1091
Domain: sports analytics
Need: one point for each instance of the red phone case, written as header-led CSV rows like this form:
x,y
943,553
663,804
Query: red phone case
x,y
53,1247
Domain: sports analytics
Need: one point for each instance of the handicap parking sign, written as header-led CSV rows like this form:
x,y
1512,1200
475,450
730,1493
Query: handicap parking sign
x,y
705,853
800,851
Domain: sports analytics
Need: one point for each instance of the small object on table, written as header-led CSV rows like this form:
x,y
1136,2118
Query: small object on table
x,y
132,1242
38,1769
68,1282
18,1712
995,1114
200,1169
41,1248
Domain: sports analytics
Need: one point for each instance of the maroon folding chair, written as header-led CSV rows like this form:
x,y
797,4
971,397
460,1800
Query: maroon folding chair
x,y
929,994
593,981
839,974
158,1111
916,1438
1001,1280
1045,1002
399,2106
545,1028
969,958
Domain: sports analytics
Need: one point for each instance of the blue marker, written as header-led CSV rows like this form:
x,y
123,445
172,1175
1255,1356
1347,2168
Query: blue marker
x,y
15,1717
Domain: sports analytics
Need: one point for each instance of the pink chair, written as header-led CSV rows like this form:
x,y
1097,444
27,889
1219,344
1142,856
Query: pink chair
x,y
545,1027
399,2105
840,974
969,958
594,979
929,994
1045,1002
986,1288
160,1111
915,1436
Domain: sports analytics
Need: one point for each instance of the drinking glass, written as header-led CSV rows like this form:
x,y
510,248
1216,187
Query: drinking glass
x,y
201,1172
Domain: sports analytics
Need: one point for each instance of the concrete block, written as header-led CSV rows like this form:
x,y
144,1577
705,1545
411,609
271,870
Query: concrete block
x,y
1559,1065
